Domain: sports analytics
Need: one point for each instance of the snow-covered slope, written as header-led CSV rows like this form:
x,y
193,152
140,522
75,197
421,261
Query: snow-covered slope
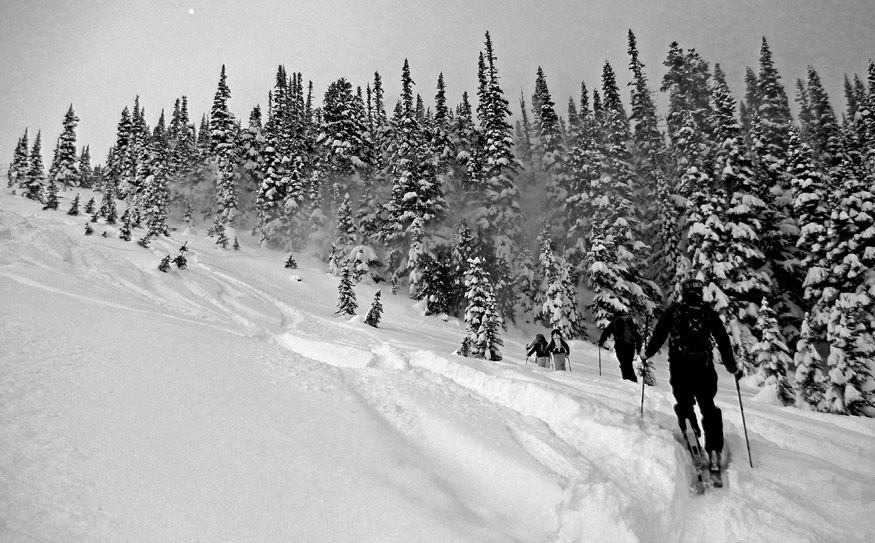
x,y
227,403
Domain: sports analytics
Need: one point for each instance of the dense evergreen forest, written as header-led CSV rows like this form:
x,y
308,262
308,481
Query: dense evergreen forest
x,y
565,218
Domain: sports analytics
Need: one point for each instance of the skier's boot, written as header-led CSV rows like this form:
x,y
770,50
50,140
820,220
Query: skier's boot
x,y
716,475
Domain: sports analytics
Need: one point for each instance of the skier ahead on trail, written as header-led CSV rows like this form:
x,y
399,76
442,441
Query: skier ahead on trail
x,y
538,347
690,324
558,350
627,342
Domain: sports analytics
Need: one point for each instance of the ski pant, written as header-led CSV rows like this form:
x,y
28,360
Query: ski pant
x,y
695,381
625,355
543,361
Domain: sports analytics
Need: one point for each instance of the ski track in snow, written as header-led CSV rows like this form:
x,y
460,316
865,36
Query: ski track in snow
x,y
581,463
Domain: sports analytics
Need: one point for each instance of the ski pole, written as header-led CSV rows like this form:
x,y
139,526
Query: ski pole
x,y
743,423
643,380
600,360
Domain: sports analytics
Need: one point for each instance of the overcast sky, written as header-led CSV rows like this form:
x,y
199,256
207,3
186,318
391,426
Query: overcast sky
x,y
99,54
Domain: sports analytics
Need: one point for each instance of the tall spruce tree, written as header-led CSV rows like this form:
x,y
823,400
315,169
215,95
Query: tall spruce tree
x,y
812,209
552,152
772,355
416,190
615,210
744,279
849,364
376,311
223,150
67,173
649,151
86,173
809,381
18,168
346,301
773,106
825,133
481,320
36,173
501,213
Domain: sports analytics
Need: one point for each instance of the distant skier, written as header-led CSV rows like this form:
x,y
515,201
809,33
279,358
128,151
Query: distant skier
x,y
690,324
538,347
558,350
627,342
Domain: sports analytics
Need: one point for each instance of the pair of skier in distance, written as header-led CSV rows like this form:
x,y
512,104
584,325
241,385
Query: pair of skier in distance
x,y
557,351
689,325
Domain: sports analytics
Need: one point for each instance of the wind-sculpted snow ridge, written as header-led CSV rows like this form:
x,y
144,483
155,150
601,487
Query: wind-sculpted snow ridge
x,y
624,477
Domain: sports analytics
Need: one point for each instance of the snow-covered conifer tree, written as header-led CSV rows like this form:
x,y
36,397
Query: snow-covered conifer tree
x,y
649,151
825,133
616,277
551,153
560,304
145,242
155,195
416,191
771,355
127,228
164,266
346,302
501,214
223,149
809,381
810,192
417,260
74,207
344,139
849,385
67,173
36,174
376,311
479,313
86,173
50,197
344,229
18,168
218,230
121,163
743,278
108,208
774,107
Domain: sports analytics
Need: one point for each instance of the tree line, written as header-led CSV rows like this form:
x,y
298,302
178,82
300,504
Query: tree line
x,y
565,220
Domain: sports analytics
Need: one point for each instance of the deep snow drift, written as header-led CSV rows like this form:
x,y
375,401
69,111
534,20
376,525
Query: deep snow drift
x,y
227,403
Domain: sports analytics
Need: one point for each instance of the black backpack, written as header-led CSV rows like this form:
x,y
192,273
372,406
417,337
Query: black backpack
x,y
623,331
690,335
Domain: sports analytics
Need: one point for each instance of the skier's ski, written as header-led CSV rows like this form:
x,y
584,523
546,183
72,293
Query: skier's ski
x,y
700,460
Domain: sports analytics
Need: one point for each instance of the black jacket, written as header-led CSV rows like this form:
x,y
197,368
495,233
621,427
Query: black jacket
x,y
713,324
538,347
617,329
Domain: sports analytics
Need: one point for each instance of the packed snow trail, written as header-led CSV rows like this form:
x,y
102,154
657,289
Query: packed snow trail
x,y
227,402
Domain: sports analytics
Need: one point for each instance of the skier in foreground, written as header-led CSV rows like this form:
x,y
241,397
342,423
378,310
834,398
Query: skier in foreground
x,y
627,342
690,324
